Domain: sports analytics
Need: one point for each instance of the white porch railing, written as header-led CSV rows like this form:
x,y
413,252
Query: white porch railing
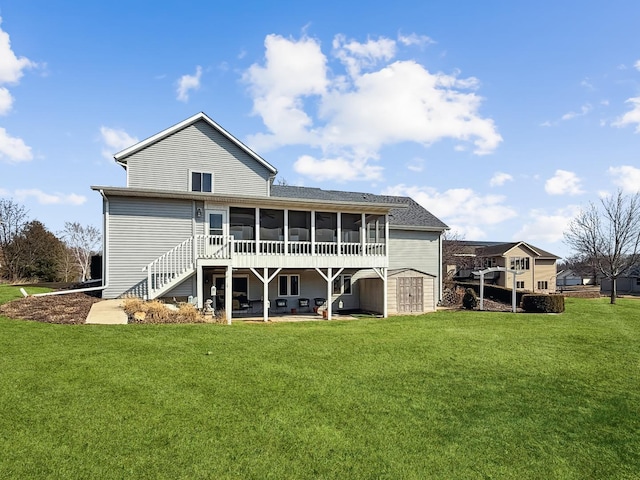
x,y
179,262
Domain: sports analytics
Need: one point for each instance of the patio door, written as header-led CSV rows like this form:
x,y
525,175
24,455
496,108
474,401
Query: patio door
x,y
217,231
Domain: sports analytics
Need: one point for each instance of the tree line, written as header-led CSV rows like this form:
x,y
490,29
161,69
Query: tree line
x,y
30,252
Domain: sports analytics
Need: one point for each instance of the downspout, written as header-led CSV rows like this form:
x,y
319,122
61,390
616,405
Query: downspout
x,y
105,273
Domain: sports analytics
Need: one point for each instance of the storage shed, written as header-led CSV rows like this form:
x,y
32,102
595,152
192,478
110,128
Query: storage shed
x,y
409,291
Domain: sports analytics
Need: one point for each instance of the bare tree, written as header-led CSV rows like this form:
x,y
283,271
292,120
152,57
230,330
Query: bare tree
x,y
454,253
83,243
13,218
608,235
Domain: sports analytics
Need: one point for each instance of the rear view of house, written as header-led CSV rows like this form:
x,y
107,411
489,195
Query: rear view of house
x,y
200,217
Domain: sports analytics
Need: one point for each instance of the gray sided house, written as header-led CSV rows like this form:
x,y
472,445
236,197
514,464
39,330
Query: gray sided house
x,y
200,217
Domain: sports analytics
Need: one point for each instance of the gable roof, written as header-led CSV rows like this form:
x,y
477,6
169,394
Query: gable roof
x,y
409,213
502,248
121,157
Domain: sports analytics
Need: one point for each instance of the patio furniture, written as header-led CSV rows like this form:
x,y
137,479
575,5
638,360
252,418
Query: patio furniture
x,y
318,302
303,303
281,304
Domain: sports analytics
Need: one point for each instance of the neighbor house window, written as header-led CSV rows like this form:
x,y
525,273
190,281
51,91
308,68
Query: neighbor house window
x,y
201,182
289,285
342,285
488,262
543,285
519,284
519,263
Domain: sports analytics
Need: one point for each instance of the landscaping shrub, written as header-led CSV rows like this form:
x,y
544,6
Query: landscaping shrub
x,y
543,303
495,292
139,311
470,300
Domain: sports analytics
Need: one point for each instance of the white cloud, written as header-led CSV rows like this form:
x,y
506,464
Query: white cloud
x,y
11,66
13,149
546,227
563,183
415,39
50,198
584,110
338,169
377,102
499,179
6,101
462,208
626,177
632,116
416,165
357,56
637,65
115,140
187,83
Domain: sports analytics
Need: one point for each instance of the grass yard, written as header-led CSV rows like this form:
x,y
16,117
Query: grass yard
x,y
450,395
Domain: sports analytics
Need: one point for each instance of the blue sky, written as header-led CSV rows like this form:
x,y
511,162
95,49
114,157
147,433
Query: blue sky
x,y
503,118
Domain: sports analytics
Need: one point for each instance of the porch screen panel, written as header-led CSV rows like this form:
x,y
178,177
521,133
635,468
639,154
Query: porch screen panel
x,y
242,223
299,226
350,227
375,228
326,227
271,224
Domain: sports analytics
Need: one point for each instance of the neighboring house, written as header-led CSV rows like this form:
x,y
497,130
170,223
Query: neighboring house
x,y
569,278
630,283
538,267
200,217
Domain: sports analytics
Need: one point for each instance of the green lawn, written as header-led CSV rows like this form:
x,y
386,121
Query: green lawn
x,y
450,395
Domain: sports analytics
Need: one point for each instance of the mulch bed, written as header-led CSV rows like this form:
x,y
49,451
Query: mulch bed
x,y
69,309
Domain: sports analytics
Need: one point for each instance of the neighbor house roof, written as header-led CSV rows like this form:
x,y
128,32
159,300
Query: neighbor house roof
x,y
408,212
502,248
121,157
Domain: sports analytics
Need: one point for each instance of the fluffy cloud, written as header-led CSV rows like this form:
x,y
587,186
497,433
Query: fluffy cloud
x,y
13,149
415,39
461,208
563,183
351,116
546,227
626,177
499,179
11,66
637,65
186,83
584,110
11,70
632,116
50,198
114,141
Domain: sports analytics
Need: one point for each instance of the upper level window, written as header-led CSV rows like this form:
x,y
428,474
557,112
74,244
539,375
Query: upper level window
x,y
519,263
201,182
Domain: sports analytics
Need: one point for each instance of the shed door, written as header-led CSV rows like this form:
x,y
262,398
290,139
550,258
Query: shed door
x,y
410,294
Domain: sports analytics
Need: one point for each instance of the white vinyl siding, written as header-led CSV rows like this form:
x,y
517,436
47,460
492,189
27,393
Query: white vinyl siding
x,y
167,164
140,230
414,249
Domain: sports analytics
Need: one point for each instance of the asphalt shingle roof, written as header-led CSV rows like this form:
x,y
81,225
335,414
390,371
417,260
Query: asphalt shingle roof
x,y
413,216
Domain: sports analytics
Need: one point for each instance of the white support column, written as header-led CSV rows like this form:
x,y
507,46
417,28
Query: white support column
x,y
385,300
313,232
265,279
286,231
386,235
363,234
228,294
329,293
339,231
257,231
199,286
329,277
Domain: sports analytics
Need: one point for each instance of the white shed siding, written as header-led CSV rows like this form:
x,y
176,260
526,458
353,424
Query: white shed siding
x,y
414,249
166,165
140,230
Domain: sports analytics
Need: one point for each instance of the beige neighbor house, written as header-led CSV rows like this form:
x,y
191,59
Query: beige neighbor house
x,y
539,268
201,218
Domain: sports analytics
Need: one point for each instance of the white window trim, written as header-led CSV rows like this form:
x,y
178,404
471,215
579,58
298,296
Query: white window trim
x,y
190,179
340,279
288,293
